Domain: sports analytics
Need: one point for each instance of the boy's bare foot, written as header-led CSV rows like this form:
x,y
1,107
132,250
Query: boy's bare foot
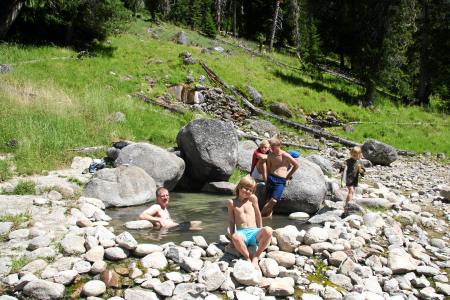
x,y
255,262
268,216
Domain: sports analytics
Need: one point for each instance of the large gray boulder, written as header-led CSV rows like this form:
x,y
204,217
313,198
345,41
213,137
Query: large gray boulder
x,y
245,154
255,96
379,153
122,186
261,127
182,38
324,163
164,167
210,148
305,193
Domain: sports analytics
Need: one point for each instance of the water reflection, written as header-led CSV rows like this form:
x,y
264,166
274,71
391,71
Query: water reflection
x,y
211,209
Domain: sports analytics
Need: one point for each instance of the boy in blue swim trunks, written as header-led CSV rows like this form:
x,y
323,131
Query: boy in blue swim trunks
x,y
278,162
243,218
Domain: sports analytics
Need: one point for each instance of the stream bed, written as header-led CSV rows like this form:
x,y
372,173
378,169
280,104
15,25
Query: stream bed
x,y
211,209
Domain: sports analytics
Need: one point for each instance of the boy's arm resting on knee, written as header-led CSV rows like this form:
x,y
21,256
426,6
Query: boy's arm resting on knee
x,y
231,220
258,217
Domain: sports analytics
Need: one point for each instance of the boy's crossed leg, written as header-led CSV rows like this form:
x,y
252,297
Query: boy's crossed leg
x,y
244,237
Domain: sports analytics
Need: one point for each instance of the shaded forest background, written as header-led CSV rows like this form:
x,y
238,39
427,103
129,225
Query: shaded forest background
x,y
400,46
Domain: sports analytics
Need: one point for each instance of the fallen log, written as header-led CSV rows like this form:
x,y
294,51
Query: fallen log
x,y
166,106
252,137
290,123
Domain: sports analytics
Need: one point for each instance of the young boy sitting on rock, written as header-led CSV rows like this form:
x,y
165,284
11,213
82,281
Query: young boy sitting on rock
x,y
354,167
259,165
243,212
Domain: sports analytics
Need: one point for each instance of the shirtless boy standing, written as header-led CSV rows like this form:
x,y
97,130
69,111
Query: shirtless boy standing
x,y
243,212
277,178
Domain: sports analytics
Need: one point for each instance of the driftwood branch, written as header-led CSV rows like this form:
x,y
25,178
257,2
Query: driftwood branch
x,y
290,123
166,106
252,137
399,123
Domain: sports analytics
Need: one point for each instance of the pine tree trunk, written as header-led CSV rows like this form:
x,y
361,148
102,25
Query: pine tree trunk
x,y
134,7
421,92
234,18
370,91
228,18
274,25
8,13
295,29
219,10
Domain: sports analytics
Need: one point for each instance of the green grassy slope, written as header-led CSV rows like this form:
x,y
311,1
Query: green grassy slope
x,y
73,98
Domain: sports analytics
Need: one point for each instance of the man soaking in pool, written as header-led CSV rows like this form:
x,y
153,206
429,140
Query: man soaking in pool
x,y
243,212
159,215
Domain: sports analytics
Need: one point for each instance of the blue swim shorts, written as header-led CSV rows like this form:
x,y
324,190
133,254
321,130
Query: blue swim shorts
x,y
275,186
249,235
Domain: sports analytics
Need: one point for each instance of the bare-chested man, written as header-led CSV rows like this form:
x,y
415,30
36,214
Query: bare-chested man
x,y
277,174
158,213
243,212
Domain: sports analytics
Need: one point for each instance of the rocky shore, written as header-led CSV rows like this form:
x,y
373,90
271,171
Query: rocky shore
x,y
390,243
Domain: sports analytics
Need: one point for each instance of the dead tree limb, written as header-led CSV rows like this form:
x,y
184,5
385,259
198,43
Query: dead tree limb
x,y
166,106
290,123
252,137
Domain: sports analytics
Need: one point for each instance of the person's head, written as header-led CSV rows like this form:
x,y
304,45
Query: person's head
x,y
162,196
246,185
356,152
264,146
275,142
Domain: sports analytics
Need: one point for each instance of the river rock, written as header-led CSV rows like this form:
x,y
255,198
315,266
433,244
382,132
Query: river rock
x,y
374,202
399,261
38,242
95,254
182,38
379,153
72,244
245,273
139,294
44,290
283,259
82,267
122,186
116,253
262,127
373,219
280,109
155,260
210,147
269,267
315,235
245,155
280,288
255,96
342,281
212,277
146,249
324,163
286,240
141,224
164,167
126,240
66,277
94,288
165,289
222,187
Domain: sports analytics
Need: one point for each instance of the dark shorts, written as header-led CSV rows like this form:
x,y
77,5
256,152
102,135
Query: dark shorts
x,y
275,186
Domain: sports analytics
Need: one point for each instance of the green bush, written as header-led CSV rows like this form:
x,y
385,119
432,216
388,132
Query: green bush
x,y
24,187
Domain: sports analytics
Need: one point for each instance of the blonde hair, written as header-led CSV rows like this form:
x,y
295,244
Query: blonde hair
x,y
247,182
275,140
356,150
264,142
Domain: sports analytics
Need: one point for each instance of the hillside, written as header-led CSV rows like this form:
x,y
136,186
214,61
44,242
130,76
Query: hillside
x,y
60,102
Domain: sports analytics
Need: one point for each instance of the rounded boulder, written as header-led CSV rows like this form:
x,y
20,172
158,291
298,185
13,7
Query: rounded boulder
x,y
122,186
210,148
164,167
379,153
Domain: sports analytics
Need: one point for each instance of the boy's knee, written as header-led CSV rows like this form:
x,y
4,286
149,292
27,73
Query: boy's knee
x,y
237,237
268,230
